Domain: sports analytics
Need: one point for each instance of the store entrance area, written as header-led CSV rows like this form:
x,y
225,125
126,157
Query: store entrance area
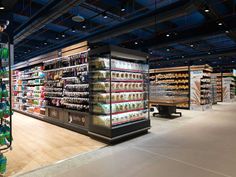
x,y
38,144
199,144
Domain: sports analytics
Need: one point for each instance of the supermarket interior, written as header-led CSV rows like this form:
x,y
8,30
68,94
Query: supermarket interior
x,y
113,88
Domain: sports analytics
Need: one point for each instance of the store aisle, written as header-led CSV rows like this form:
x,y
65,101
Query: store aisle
x,y
200,144
37,143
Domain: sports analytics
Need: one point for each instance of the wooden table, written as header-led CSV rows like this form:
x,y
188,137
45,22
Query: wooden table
x,y
167,107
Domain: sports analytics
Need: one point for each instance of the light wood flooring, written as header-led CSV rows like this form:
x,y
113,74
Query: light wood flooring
x,y
37,144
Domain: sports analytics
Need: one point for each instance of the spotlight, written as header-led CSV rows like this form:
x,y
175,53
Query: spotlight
x,y
209,53
104,14
220,24
167,35
45,43
122,9
207,10
227,31
84,26
63,35
136,43
167,50
191,45
57,38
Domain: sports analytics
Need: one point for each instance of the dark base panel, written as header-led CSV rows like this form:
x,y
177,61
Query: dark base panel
x,y
121,132
56,122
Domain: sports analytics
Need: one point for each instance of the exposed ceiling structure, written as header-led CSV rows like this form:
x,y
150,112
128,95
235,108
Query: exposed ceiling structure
x,y
173,32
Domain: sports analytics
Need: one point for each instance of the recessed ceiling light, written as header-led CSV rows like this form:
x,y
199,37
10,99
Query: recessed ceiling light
x,y
167,35
57,38
2,8
227,31
37,47
167,50
209,53
73,30
136,43
220,24
182,56
83,26
63,35
151,52
191,45
167,58
207,10
104,15
45,43
220,58
122,9
232,61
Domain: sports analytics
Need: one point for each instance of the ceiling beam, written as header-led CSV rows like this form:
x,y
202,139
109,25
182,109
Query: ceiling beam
x,y
47,14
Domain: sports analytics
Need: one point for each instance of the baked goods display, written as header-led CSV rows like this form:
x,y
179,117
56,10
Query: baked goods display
x,y
118,107
103,63
206,89
119,91
117,76
29,90
118,86
173,84
118,119
219,88
118,97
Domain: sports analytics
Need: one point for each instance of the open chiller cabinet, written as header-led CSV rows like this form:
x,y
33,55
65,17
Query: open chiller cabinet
x,y
119,93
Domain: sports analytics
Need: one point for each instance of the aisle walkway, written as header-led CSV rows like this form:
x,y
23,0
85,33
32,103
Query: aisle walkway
x,y
37,144
200,144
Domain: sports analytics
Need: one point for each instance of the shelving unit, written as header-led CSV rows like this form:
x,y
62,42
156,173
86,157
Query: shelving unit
x,y
228,88
67,96
188,84
118,93
214,95
29,90
64,70
5,99
170,83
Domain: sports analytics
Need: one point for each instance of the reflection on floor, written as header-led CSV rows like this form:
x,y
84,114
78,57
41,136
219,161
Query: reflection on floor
x,y
37,143
199,144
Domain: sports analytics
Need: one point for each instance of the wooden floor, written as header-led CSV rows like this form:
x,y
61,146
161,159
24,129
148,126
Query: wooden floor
x,y
37,143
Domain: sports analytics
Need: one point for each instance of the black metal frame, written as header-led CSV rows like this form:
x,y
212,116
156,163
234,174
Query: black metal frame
x,y
10,93
110,133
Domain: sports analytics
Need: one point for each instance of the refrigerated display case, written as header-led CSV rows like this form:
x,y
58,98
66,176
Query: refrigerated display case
x,y
119,93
